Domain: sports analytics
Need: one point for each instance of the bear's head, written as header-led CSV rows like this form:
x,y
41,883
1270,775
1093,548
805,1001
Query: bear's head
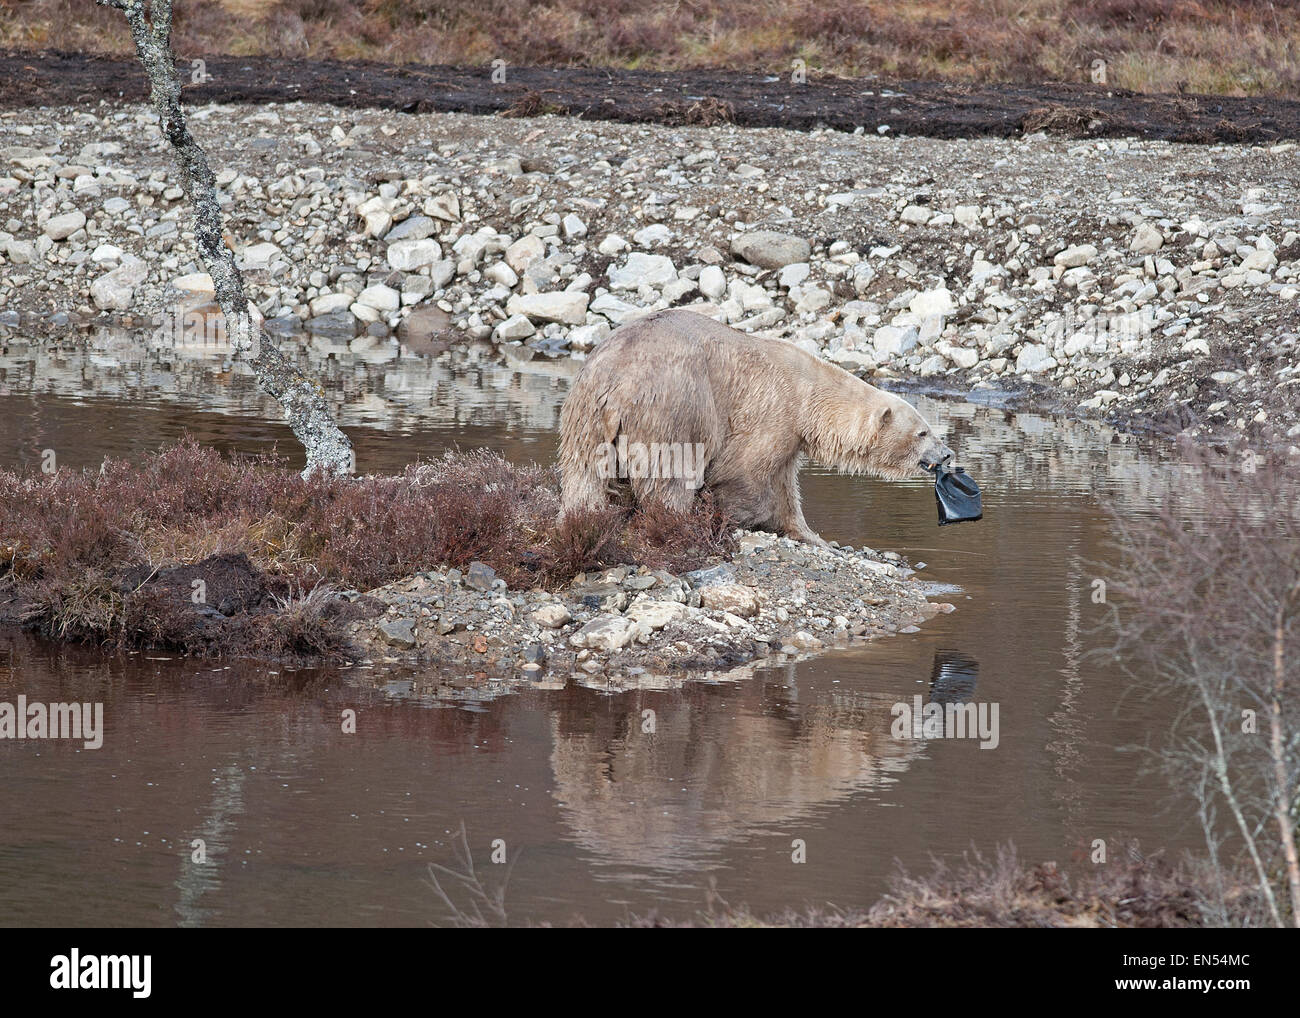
x,y
884,436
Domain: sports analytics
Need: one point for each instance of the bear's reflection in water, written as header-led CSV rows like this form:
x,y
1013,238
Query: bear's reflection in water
x,y
671,797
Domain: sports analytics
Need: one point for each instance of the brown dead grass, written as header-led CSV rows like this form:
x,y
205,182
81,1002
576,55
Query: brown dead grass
x,y
112,556
533,104
1078,121
1210,46
978,892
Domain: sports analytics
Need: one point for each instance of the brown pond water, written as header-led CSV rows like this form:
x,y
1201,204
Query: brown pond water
x,y
307,826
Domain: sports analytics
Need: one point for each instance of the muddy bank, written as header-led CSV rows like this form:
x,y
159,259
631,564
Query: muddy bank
x,y
701,97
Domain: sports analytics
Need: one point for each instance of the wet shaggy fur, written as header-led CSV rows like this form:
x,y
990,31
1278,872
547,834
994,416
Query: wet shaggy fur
x,y
753,405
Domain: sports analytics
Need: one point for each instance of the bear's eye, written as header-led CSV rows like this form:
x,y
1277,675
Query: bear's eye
x,y
922,433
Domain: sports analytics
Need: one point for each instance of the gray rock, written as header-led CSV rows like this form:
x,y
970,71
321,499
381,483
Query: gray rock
x,y
713,282
584,337
552,616
654,615
115,290
523,252
1073,257
730,597
793,275
515,327
414,228
398,633
410,255
1259,260
258,256
335,325
1146,240
444,206
328,303
642,270
1033,358
562,306
933,302
652,236
480,576
770,250
895,341
380,297
441,273
605,632
64,226
725,572
21,252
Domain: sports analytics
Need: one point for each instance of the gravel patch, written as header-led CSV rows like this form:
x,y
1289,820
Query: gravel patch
x,y
629,626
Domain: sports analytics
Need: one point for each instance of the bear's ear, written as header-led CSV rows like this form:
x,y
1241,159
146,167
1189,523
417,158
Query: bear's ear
x,y
885,415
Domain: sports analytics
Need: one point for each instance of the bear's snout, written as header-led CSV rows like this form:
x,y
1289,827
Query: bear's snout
x,y
936,455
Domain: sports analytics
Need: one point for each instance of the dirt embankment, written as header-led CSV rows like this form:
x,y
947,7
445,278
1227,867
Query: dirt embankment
x,y
932,109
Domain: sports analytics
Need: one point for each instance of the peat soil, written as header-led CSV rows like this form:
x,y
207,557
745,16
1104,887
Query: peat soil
x,y
705,97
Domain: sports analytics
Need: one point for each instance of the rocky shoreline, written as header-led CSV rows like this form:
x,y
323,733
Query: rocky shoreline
x,y
1147,283
634,627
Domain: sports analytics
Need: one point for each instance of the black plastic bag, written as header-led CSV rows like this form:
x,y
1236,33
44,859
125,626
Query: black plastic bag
x,y
958,496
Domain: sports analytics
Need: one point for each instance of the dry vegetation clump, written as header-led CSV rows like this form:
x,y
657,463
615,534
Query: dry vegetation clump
x,y
534,104
116,556
1222,47
1065,120
1129,892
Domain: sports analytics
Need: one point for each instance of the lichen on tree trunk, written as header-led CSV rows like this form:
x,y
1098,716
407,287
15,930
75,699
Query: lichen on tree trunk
x,y
302,399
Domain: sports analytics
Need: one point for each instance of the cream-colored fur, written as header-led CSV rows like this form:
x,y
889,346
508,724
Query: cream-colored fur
x,y
751,405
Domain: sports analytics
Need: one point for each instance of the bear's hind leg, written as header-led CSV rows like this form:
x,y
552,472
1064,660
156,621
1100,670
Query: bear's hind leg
x,y
586,463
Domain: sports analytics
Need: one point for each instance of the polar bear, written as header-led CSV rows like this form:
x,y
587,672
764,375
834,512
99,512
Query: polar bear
x,y
675,402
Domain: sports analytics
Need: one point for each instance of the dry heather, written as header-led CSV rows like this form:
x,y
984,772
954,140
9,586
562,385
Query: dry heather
x,y
1211,46
978,892
113,556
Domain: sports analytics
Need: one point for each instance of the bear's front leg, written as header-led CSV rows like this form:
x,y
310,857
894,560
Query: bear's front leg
x,y
789,510
806,536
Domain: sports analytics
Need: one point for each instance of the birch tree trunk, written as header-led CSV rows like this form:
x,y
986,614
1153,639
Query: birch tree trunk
x,y
302,398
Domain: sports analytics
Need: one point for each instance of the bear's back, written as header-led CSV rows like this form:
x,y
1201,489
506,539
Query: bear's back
x,y
684,338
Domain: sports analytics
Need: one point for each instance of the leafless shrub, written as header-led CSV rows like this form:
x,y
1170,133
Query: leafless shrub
x,y
484,906
1205,606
